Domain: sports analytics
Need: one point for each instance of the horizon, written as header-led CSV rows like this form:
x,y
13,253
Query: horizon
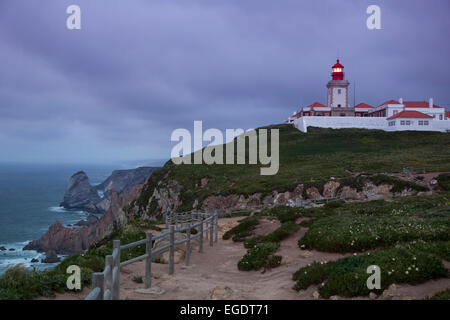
x,y
114,91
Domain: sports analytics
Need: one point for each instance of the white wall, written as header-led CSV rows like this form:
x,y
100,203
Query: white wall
x,y
378,123
340,122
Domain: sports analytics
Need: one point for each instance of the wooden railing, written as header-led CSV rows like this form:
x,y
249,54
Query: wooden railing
x,y
106,284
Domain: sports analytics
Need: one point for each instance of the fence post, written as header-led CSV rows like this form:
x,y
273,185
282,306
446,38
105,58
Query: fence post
x,y
171,249
166,217
200,237
98,281
148,260
108,279
116,271
211,231
216,236
188,244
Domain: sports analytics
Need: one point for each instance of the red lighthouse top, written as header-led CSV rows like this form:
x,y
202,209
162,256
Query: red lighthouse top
x,y
337,71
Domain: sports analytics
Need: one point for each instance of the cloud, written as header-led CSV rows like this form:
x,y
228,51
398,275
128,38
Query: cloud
x,y
137,70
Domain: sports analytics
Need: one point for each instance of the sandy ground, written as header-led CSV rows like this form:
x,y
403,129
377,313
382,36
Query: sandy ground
x,y
213,274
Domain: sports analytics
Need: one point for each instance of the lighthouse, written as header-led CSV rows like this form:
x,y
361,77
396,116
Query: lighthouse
x,y
338,93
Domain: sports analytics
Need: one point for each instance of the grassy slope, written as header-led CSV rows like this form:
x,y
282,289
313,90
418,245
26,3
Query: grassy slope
x,y
315,156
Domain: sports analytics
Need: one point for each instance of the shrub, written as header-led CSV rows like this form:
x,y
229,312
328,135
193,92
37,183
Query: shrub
x,y
443,295
444,181
347,277
242,230
138,279
281,233
260,256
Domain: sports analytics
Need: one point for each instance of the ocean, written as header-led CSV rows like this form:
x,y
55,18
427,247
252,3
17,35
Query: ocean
x,y
29,203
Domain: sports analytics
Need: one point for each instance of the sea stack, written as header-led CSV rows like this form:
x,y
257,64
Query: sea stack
x,y
80,194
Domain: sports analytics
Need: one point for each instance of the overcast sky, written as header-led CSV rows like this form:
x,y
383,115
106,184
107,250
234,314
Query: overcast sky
x,y
138,69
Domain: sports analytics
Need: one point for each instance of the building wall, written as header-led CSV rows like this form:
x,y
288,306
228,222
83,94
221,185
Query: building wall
x,y
378,123
340,122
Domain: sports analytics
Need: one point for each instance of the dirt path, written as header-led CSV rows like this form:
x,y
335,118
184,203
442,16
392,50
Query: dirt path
x,y
213,274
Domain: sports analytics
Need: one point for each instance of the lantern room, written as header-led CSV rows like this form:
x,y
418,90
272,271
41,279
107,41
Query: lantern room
x,y
337,71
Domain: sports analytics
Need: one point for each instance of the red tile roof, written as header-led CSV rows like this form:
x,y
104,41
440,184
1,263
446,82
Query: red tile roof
x,y
363,105
390,102
447,114
316,105
418,104
410,114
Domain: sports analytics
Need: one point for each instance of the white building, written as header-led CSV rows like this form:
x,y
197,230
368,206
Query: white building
x,y
390,116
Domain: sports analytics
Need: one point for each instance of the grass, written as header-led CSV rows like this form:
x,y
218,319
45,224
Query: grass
x,y
347,277
261,249
444,181
443,295
356,227
311,159
409,237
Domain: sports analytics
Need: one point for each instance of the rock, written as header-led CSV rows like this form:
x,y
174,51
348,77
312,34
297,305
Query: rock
x,y
12,249
316,295
348,193
334,298
2,249
80,194
220,293
204,181
123,180
313,193
91,220
433,182
372,296
330,188
34,260
51,257
390,292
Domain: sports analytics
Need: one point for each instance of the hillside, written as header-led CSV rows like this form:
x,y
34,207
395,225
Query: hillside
x,y
311,159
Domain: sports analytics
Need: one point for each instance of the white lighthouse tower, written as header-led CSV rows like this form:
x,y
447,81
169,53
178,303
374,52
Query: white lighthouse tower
x,y
338,93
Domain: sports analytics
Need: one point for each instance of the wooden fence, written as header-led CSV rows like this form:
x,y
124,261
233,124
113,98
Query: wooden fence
x,y
106,284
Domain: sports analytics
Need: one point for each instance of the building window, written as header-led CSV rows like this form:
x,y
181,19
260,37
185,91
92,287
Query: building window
x,y
425,123
339,105
391,123
402,123
440,117
395,111
339,91
420,122
342,115
408,123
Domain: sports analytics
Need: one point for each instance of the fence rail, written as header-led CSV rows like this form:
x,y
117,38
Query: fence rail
x,y
106,284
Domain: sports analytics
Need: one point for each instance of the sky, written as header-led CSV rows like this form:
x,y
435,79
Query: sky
x,y
139,69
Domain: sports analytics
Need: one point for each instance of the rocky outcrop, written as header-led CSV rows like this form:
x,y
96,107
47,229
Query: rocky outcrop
x,y
91,220
65,240
80,194
123,180
50,257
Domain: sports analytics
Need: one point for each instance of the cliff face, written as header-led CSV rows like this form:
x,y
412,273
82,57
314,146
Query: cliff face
x,y
80,194
65,240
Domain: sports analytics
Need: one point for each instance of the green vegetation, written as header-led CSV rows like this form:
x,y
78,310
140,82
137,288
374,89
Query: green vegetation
x,y
410,236
444,295
138,279
347,277
281,233
260,256
444,181
356,227
311,159
21,283
261,249
242,230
